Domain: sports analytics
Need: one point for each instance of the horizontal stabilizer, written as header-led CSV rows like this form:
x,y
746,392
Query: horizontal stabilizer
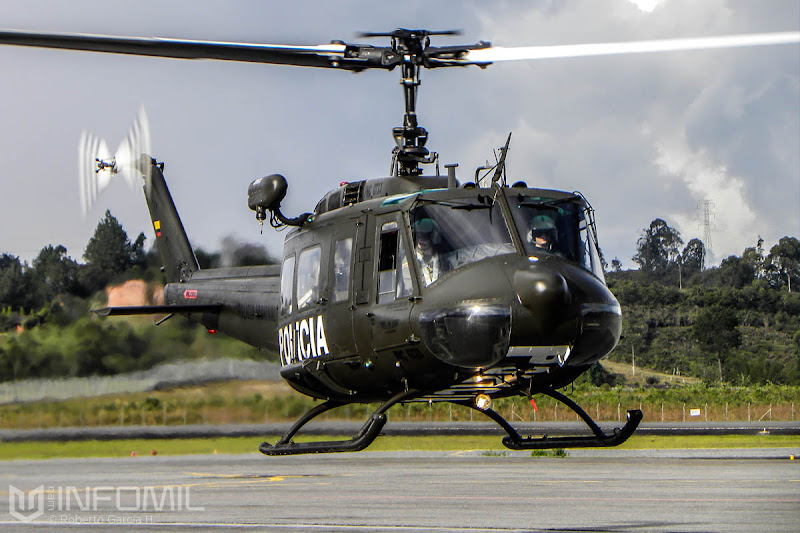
x,y
157,309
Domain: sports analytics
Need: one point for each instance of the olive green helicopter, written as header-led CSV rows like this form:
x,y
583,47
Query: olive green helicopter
x,y
404,288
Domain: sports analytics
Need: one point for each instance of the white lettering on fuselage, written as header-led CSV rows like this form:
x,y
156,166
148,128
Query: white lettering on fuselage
x,y
302,340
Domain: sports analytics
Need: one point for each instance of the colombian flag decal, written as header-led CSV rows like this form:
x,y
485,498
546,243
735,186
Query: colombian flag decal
x,y
157,227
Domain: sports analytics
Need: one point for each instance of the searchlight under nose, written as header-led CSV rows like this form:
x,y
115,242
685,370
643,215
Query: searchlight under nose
x,y
472,335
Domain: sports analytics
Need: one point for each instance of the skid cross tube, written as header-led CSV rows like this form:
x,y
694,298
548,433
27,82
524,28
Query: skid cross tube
x,y
515,441
366,435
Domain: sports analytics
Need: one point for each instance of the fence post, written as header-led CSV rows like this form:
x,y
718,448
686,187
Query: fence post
x,y
662,411
748,411
619,413
684,412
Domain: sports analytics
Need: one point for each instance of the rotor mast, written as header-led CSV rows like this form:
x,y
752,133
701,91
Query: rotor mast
x,y
410,51
410,138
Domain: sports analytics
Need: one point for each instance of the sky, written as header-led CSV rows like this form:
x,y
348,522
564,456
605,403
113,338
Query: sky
x,y
642,136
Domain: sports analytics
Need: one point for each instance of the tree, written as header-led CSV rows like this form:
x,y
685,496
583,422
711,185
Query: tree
x,y
693,257
717,330
786,257
109,254
15,283
206,259
735,272
754,258
238,253
657,249
54,272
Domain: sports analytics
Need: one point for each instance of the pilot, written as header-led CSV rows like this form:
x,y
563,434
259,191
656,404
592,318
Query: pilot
x,y
543,233
427,238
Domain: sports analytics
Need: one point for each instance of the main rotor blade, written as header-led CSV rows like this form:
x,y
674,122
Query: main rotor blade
x,y
326,55
491,55
358,57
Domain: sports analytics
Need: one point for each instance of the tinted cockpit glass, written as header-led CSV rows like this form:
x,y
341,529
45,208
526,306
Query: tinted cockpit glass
x,y
453,234
562,227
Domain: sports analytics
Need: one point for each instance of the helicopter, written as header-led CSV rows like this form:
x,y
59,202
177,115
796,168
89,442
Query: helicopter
x,y
408,287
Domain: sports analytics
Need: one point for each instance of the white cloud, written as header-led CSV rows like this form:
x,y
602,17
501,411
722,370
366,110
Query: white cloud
x,y
736,222
648,6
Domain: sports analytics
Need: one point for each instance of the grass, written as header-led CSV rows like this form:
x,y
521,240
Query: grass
x,y
639,377
265,401
490,445
557,452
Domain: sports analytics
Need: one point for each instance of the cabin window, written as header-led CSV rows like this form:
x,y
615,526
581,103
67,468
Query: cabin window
x,y
404,278
448,236
287,282
342,253
549,226
308,277
558,226
387,262
587,241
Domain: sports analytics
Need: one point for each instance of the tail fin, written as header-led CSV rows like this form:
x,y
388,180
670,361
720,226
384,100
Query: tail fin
x,y
173,245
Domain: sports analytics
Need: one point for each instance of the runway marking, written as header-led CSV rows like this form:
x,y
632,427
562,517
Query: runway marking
x,y
362,497
225,481
265,477
281,526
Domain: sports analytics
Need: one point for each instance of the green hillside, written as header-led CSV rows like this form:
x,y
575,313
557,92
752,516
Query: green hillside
x,y
738,323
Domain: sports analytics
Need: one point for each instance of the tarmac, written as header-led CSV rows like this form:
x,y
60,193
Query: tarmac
x,y
590,490
318,427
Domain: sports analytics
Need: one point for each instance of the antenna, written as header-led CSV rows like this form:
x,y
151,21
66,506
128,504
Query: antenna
x,y
707,209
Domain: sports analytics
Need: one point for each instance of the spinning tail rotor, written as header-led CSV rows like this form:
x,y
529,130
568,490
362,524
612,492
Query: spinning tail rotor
x,y
97,164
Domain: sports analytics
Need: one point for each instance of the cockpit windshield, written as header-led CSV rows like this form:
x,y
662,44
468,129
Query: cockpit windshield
x,y
562,227
449,235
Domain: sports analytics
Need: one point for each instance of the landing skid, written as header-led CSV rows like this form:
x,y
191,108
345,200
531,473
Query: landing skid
x,y
515,441
368,433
